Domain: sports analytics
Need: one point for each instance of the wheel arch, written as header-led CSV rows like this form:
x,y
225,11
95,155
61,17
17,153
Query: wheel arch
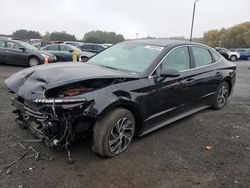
x,y
128,105
32,55
229,82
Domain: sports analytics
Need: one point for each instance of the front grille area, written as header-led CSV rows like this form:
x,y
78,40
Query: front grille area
x,y
39,116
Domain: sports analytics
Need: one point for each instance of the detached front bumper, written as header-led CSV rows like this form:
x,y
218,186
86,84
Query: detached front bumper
x,y
54,123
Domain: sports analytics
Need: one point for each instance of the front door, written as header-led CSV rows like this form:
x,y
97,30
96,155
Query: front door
x,y
167,96
15,55
3,56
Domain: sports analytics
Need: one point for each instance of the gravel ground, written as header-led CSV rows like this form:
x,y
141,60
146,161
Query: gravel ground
x,y
207,149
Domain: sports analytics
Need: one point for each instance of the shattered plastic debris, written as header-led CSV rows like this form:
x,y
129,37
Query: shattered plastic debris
x,y
208,147
31,169
8,171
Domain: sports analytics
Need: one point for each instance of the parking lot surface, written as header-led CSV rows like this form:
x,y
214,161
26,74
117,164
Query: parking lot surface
x,y
208,149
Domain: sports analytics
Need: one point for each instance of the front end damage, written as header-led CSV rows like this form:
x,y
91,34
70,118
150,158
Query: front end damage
x,y
57,122
60,107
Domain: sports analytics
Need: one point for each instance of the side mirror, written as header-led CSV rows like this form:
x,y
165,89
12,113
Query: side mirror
x,y
70,50
169,73
22,48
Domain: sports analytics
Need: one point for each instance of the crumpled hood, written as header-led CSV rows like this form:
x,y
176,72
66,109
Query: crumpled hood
x,y
30,83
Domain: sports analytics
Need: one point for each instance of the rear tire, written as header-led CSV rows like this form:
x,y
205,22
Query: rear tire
x,y
113,133
84,59
221,97
33,61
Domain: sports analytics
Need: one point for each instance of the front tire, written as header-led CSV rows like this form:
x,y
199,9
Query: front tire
x,y
113,133
233,58
33,61
221,97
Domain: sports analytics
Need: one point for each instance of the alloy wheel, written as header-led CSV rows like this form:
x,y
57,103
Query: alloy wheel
x,y
120,135
33,62
223,95
233,58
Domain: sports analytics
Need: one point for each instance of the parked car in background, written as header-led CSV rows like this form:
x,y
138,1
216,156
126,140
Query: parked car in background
x,y
244,53
22,53
233,56
132,88
63,52
92,47
107,45
74,43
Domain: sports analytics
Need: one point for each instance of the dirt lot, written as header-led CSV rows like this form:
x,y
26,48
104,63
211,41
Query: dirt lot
x,y
174,156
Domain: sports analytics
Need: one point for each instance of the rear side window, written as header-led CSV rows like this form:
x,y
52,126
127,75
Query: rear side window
x,y
86,47
216,57
52,47
202,56
2,43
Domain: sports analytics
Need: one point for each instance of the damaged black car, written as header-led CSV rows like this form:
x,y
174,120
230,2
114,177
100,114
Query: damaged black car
x,y
128,90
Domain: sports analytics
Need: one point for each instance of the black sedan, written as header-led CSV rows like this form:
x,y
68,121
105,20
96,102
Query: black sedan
x,y
22,53
63,52
132,88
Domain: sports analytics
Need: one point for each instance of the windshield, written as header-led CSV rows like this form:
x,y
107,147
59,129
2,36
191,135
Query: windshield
x,y
225,50
132,57
28,46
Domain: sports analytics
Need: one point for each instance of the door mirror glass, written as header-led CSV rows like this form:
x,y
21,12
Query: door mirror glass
x,y
169,72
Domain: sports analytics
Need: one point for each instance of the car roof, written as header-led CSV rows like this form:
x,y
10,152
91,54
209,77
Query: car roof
x,y
97,44
161,42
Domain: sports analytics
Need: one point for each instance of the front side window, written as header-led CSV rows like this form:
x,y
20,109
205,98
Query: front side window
x,y
12,45
98,48
65,48
178,59
202,56
131,57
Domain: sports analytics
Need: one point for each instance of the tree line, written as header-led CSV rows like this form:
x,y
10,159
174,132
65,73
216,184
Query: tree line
x,y
92,36
237,36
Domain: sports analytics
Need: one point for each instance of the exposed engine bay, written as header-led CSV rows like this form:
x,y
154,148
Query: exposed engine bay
x,y
56,111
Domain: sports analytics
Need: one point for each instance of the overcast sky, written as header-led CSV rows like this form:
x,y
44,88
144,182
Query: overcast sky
x,y
157,18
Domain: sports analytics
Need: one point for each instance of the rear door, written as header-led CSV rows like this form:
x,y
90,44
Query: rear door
x,y
15,55
65,52
204,78
3,56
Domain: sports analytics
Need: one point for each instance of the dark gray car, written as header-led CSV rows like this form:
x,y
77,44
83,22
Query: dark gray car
x,y
63,52
22,53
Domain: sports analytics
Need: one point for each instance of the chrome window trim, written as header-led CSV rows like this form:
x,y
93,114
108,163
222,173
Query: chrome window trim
x,y
189,45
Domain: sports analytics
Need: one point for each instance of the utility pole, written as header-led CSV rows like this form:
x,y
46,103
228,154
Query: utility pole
x,y
192,25
136,35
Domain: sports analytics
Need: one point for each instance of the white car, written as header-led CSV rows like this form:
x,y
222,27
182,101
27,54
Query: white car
x,y
233,56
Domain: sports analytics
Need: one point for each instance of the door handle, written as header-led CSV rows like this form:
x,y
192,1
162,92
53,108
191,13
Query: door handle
x,y
218,74
189,80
